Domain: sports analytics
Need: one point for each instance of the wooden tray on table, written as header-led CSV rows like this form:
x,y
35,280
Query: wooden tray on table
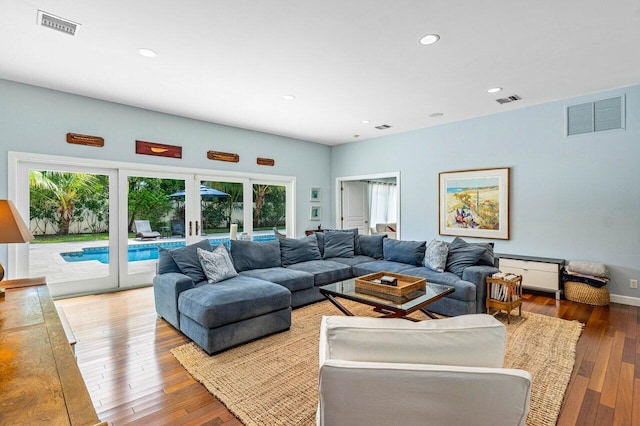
x,y
406,284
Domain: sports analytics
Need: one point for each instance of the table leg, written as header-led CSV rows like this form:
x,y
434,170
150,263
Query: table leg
x,y
429,313
338,305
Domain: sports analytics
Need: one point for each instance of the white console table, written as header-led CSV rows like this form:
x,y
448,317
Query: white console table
x,y
538,273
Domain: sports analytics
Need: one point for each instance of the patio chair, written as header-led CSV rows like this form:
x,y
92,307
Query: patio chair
x,y
177,227
143,230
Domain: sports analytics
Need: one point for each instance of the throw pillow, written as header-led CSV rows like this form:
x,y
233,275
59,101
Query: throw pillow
x,y
371,245
320,238
216,264
462,255
187,260
338,244
487,258
294,250
410,252
249,255
435,257
356,238
166,264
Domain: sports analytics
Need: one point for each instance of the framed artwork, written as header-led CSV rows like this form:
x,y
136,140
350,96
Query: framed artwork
x,y
315,213
474,203
315,194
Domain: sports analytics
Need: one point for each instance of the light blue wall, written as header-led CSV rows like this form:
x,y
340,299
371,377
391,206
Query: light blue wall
x,y
37,120
574,198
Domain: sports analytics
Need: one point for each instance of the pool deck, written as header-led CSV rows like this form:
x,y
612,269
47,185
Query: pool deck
x,y
45,259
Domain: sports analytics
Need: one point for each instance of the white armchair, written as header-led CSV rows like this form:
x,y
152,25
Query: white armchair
x,y
379,371
388,229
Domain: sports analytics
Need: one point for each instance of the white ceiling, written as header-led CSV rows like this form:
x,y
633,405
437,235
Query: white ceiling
x,y
231,62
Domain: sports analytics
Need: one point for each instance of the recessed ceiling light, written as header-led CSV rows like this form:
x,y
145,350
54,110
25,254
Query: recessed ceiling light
x,y
494,89
436,114
429,39
288,97
365,121
147,52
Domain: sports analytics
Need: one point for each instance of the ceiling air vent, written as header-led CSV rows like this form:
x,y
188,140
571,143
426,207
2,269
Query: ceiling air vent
x,y
383,127
56,23
511,98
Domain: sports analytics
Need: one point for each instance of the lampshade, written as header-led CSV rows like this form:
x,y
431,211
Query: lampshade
x,y
12,227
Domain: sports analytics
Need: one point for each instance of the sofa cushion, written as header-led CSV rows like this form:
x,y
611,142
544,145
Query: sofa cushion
x,y
324,271
320,239
338,244
249,255
166,264
356,238
217,264
371,245
291,279
465,290
487,257
462,255
379,266
187,260
409,252
233,300
355,260
435,257
293,250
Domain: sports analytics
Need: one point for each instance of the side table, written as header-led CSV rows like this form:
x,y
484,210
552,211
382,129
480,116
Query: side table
x,y
505,295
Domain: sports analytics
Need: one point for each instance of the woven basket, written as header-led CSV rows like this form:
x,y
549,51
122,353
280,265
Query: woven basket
x,y
584,293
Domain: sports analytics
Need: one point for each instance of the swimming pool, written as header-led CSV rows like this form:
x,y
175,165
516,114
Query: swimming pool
x,y
140,252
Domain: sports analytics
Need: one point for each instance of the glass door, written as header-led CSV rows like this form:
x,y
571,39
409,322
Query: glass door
x,y
221,205
73,220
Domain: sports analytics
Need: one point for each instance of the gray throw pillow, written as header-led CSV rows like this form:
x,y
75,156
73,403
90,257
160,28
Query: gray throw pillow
x,y
409,252
166,264
320,238
338,244
487,257
356,238
294,250
371,245
187,260
249,255
217,264
435,257
462,255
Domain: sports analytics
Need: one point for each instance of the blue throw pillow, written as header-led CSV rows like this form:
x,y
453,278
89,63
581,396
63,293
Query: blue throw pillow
x,y
487,257
249,255
462,255
371,245
294,250
320,238
356,238
187,260
338,244
409,252
166,264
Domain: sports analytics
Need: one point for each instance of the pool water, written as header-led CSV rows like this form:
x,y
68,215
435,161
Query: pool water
x,y
140,252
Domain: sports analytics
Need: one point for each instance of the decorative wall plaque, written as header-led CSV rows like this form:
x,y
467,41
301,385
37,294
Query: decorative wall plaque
x,y
158,149
266,161
78,139
223,156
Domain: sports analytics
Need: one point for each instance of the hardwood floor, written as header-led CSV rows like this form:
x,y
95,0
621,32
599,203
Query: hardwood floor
x,y
123,353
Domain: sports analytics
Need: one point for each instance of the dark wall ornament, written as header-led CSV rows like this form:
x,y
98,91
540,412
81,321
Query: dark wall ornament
x,y
266,161
158,149
88,140
223,156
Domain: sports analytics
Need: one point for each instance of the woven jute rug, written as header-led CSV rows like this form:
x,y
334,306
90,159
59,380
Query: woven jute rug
x,y
273,381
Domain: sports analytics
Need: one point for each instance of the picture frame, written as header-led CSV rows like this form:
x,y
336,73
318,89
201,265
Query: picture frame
x,y
315,213
474,203
315,193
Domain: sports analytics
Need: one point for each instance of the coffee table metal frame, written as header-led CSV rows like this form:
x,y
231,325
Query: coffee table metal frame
x,y
417,300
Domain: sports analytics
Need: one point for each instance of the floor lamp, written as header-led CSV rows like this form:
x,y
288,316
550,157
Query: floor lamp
x,y
12,229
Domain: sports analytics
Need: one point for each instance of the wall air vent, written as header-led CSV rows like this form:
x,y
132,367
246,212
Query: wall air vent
x,y
56,23
383,127
506,100
596,116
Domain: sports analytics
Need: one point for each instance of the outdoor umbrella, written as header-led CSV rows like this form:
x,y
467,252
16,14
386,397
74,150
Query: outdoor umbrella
x,y
205,192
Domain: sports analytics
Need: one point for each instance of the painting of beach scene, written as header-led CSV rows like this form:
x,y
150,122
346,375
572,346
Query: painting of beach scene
x,y
475,203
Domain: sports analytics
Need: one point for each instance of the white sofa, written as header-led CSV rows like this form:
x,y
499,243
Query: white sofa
x,y
378,371
388,229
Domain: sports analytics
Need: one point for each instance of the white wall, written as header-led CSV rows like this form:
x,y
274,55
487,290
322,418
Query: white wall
x,y
574,198
37,120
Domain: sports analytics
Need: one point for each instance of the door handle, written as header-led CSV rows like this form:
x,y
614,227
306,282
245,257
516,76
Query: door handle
x,y
190,228
197,227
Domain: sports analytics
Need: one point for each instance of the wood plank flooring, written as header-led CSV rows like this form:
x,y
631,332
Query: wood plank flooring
x,y
123,354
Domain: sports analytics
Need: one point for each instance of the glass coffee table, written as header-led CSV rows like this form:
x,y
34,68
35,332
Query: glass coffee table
x,y
396,308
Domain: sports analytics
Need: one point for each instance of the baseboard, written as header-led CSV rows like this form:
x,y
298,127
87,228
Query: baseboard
x,y
625,300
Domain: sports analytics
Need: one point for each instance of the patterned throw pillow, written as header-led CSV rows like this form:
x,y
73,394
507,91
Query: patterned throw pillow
x,y
435,257
217,264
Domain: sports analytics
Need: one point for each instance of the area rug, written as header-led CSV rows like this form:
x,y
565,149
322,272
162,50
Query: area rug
x,y
273,381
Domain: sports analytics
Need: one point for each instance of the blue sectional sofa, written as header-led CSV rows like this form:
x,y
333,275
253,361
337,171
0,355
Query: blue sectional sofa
x,y
271,278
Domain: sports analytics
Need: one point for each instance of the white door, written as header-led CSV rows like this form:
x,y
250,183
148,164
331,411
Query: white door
x,y
355,206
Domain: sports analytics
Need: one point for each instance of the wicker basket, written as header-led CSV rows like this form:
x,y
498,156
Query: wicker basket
x,y
584,293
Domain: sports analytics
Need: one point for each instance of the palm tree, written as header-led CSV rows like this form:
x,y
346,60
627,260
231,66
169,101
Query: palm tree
x,y
64,190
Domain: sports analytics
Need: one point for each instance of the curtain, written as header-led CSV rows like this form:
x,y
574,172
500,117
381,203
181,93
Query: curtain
x,y
382,203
